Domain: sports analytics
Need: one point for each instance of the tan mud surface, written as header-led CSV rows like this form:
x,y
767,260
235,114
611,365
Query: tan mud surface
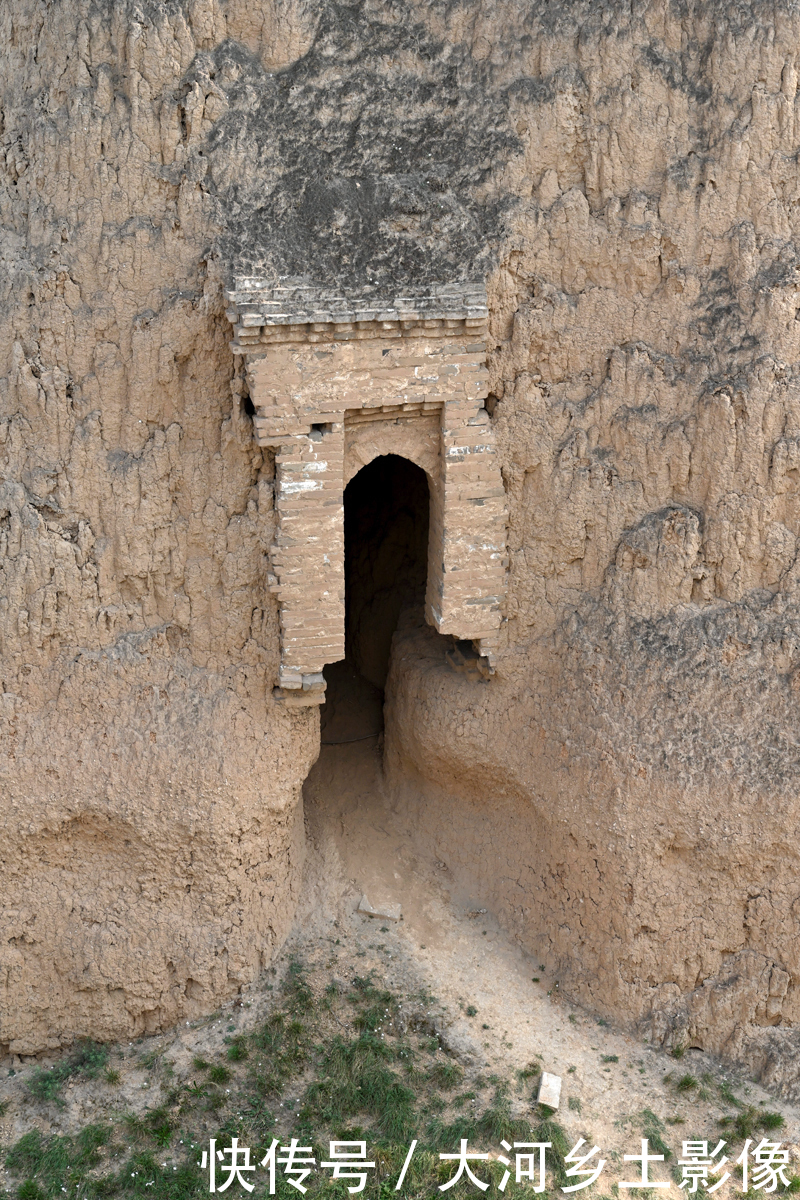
x,y
457,948
446,947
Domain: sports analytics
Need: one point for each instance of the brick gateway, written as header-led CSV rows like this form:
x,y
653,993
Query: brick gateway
x,y
337,381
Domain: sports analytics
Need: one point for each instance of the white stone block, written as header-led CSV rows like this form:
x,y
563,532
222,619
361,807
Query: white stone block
x,y
387,912
550,1090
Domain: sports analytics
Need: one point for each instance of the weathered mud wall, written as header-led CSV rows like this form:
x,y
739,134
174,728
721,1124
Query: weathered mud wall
x,y
626,178
150,835
627,787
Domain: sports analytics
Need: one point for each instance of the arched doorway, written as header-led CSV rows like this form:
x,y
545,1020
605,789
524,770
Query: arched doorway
x,y
386,517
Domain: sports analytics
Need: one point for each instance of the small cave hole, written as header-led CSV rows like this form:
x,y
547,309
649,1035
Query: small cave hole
x,y
386,514
248,409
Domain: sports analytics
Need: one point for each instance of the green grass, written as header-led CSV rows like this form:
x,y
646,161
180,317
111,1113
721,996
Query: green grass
x,y
653,1128
87,1060
446,1075
549,1130
47,1083
298,996
219,1074
751,1120
727,1095
51,1163
322,1065
358,1081
279,1050
531,1071
237,1050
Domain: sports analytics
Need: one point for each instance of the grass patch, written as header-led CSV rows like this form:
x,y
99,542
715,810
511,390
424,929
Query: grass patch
x,y
531,1071
752,1120
549,1130
219,1074
46,1084
87,1061
726,1093
237,1050
653,1128
447,1075
51,1163
323,1065
281,1048
297,994
357,1081
155,1126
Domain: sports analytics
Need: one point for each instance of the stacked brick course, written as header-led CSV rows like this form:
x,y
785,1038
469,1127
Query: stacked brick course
x,y
336,380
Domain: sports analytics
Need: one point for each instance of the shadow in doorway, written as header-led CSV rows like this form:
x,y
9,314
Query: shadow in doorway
x,y
386,514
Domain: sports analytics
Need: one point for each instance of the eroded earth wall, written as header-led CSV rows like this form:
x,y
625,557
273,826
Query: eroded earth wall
x,y
628,785
625,788
150,822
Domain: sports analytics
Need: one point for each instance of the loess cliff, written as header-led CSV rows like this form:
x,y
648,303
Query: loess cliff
x,y
625,789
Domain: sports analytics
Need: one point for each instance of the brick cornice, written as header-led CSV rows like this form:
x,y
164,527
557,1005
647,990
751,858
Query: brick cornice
x,y
264,314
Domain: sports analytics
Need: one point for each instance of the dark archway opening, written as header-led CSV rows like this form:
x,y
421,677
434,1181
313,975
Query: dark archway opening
x,y
386,514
